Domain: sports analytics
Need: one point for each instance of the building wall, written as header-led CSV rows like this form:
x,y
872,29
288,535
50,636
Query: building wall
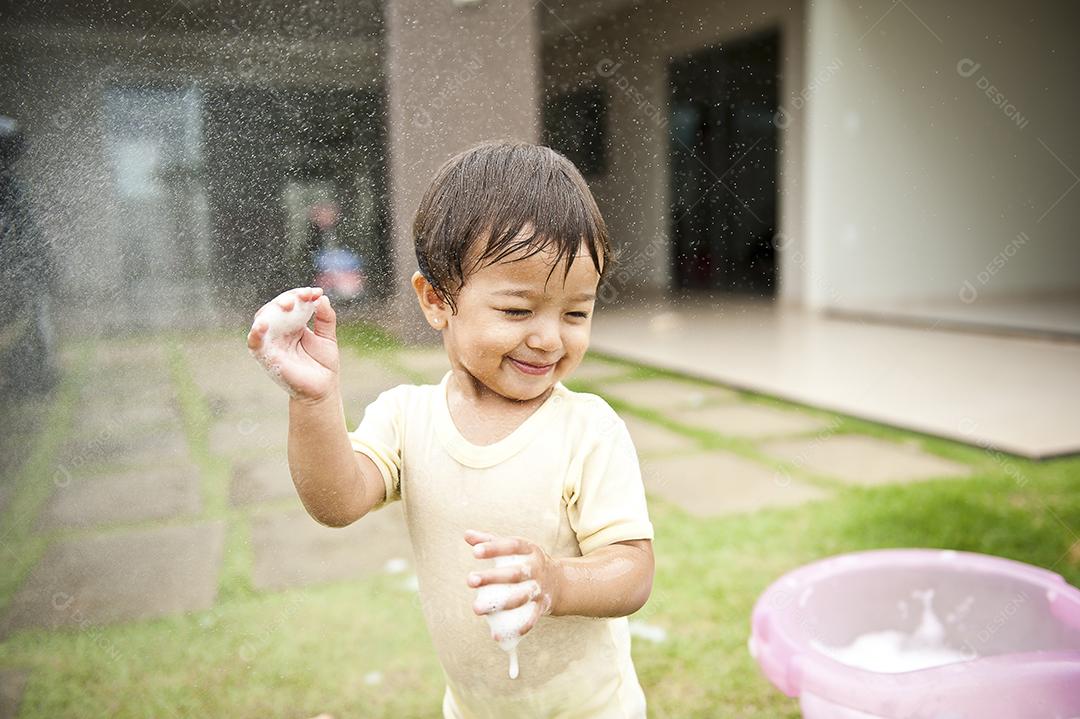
x,y
926,151
920,185
456,76
630,56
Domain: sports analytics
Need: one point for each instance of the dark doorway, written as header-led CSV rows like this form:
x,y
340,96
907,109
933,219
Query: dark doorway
x,y
272,153
723,145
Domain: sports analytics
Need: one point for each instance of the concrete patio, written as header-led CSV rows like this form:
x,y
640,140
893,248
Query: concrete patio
x,y
1004,392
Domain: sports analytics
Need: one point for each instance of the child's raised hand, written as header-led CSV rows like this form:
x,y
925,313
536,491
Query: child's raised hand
x,y
532,578
304,361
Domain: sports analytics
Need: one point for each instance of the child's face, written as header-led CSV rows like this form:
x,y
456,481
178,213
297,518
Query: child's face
x,y
511,312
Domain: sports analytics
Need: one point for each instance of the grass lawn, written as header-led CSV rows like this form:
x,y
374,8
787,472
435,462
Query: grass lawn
x,y
359,648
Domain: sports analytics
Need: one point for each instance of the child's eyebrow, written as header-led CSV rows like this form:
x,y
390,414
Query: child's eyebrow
x,y
580,297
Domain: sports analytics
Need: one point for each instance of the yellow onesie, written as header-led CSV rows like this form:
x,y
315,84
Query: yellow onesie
x,y
568,480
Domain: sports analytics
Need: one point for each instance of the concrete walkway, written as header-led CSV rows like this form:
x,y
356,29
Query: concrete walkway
x,y
160,462
1009,393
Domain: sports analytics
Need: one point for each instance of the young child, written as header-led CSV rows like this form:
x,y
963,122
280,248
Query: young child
x,y
500,459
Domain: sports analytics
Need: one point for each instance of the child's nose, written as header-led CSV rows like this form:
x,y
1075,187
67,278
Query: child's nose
x,y
545,337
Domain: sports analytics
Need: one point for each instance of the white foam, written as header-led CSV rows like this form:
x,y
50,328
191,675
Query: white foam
x,y
284,329
651,632
282,323
395,565
892,651
506,623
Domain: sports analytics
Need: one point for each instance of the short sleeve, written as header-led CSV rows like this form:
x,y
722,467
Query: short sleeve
x,y
608,504
379,436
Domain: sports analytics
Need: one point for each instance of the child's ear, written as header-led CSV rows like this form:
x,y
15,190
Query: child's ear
x,y
434,309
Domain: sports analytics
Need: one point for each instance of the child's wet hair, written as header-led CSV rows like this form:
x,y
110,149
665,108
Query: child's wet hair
x,y
480,202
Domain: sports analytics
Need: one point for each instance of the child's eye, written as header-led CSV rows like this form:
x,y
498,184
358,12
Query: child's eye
x,y
582,315
516,313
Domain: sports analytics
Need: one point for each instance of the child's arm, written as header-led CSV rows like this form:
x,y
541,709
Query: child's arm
x,y
612,581
336,485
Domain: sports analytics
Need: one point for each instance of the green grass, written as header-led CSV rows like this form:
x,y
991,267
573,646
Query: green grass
x,y
367,338
235,577
300,652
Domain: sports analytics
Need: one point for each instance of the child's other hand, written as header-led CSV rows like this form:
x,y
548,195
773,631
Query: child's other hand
x,y
304,361
535,578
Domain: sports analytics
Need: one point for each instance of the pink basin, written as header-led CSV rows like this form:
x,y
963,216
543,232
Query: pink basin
x,y
1012,630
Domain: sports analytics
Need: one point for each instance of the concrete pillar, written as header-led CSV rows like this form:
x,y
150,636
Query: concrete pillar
x,y
456,74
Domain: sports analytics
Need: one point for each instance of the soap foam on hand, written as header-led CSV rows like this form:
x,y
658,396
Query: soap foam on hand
x,y
281,324
891,651
506,623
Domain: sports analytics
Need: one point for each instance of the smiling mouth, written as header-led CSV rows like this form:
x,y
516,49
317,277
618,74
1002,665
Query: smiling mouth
x,y
531,368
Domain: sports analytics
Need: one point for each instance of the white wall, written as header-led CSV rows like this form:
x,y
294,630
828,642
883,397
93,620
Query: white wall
x,y
917,181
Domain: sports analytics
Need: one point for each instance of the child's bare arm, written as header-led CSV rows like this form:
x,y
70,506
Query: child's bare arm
x,y
336,485
612,581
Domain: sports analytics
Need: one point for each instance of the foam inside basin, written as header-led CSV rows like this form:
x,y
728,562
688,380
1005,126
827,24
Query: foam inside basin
x,y
921,633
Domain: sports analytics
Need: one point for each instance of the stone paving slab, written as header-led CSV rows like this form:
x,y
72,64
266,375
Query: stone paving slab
x,y
219,360
867,461
253,391
230,372
128,371
430,362
261,479
12,685
156,492
252,416
70,354
663,394
362,381
119,576
651,438
233,384
245,393
125,449
95,419
22,421
712,484
750,421
357,369
119,396
236,387
250,436
124,392
355,400
267,402
6,493
128,354
361,376
598,370
129,374
293,550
